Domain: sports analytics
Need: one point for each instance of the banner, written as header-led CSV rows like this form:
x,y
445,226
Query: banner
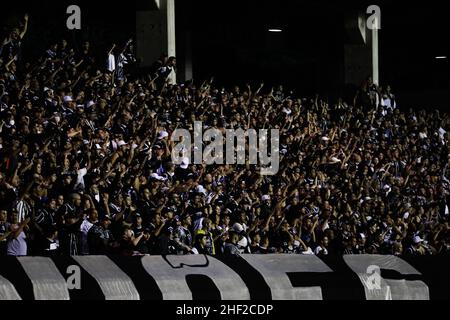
x,y
248,277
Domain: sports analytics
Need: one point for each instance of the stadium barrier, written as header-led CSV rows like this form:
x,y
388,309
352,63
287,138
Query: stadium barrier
x,y
249,277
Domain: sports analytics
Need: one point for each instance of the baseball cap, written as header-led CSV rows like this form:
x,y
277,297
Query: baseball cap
x,y
238,227
243,243
162,135
157,177
121,143
200,189
334,160
68,99
184,163
417,239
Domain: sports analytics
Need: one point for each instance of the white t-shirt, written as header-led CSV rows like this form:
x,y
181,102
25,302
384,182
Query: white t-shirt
x,y
84,228
111,63
80,177
17,246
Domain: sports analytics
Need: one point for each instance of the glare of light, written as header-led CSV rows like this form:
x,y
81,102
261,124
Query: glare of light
x,y
275,30
441,57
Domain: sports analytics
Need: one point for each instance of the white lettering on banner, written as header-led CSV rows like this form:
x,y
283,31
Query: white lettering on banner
x,y
7,290
374,277
114,283
170,276
274,268
48,283
388,289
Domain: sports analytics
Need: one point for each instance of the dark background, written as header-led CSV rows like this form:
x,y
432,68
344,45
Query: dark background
x,y
230,40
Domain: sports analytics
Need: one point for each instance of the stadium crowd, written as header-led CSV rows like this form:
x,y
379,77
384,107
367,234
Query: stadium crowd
x,y
86,165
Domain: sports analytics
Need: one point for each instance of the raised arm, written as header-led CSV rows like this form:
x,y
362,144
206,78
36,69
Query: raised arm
x,y
25,27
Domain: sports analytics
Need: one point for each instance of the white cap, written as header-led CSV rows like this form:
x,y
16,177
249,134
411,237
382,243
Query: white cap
x,y
287,111
417,239
121,143
90,104
200,189
325,138
68,99
335,160
243,242
265,197
238,227
157,177
184,163
162,135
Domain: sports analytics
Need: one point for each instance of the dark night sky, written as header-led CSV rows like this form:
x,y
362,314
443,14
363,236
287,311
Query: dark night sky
x,y
235,44
231,42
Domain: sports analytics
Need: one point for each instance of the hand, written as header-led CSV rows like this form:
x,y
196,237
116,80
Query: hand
x,y
26,17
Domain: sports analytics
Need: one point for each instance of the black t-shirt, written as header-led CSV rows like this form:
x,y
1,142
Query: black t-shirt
x,y
70,238
11,49
4,227
99,240
47,248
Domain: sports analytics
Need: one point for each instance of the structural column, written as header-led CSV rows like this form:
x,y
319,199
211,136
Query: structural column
x,y
375,66
155,33
361,51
